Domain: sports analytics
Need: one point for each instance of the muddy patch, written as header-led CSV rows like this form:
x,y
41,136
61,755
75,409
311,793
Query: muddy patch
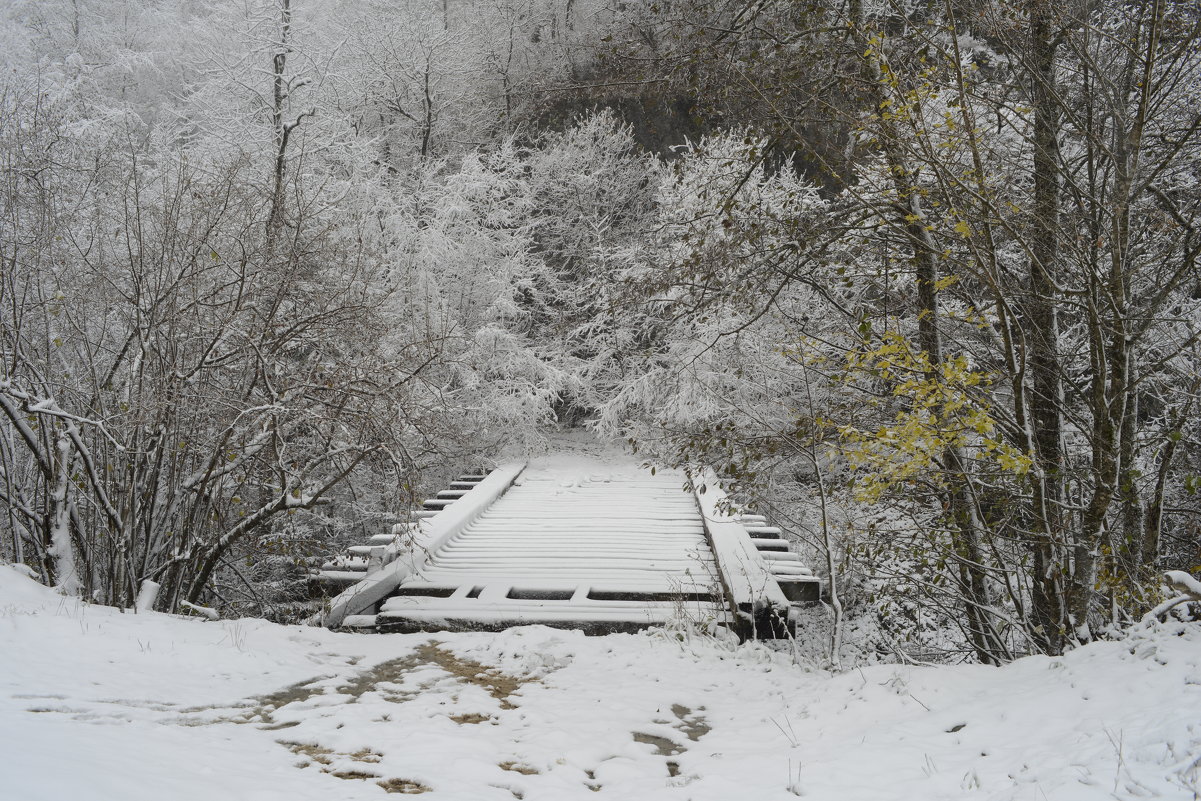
x,y
403,786
499,685
393,672
62,710
292,694
352,774
325,757
663,746
93,711
692,724
311,751
519,767
376,679
259,709
154,706
689,723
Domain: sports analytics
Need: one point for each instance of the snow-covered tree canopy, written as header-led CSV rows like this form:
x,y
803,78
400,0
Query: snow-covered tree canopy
x,y
922,278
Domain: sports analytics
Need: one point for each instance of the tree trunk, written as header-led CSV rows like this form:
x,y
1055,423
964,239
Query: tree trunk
x,y
911,218
1042,340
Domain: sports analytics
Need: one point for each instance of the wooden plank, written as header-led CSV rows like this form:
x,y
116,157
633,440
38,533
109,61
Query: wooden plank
x,y
472,612
410,553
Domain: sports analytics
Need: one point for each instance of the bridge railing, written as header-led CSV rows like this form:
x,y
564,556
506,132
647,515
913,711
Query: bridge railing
x,y
407,554
754,595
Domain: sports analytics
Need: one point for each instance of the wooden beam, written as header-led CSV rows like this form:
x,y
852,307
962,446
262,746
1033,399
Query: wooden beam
x,y
410,552
759,605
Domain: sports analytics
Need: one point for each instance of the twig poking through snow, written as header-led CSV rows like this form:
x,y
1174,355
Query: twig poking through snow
x,y
203,611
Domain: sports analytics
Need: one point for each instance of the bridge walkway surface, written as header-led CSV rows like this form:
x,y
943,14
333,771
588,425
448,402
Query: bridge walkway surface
x,y
576,543
621,550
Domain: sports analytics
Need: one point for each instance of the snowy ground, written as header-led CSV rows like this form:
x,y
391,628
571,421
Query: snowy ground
x,y
96,704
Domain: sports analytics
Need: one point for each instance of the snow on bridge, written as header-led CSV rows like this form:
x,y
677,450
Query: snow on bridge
x,y
589,545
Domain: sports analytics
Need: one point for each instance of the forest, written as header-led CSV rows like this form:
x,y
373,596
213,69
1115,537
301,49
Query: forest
x,y
918,278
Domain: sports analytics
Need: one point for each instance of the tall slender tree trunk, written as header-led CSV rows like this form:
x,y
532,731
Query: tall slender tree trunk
x,y
1042,339
1113,398
283,130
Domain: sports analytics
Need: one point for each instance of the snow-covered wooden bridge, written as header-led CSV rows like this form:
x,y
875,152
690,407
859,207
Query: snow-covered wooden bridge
x,y
599,547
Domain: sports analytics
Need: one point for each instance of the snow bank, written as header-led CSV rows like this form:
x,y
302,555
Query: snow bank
x,y
96,704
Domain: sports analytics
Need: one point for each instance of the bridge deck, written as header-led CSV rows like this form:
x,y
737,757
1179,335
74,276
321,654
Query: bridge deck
x,y
572,541
624,551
